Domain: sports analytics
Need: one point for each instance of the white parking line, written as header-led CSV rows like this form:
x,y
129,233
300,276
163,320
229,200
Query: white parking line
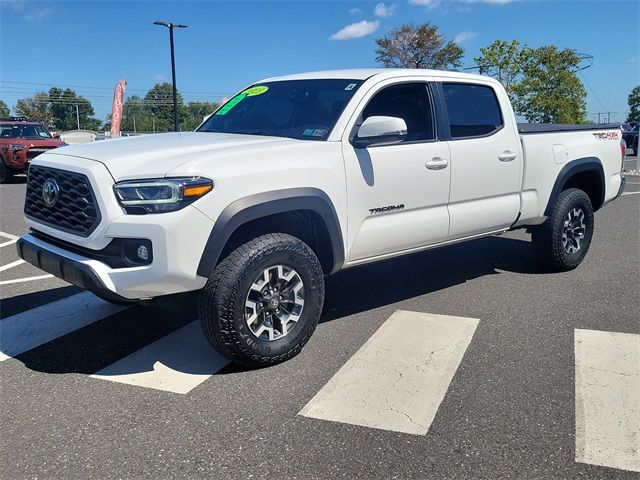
x,y
608,399
630,193
39,325
176,363
399,377
12,239
11,265
26,279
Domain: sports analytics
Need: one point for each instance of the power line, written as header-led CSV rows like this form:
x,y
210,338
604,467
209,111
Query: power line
x,y
105,88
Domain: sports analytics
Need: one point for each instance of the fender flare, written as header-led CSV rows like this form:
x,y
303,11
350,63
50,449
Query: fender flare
x,y
580,165
261,205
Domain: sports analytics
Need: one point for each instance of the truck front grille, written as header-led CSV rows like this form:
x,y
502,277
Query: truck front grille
x,y
75,209
33,152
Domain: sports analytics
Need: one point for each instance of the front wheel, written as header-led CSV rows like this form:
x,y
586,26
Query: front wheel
x,y
262,303
562,241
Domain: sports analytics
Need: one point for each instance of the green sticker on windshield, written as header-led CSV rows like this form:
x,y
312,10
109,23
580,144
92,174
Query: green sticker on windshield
x,y
230,104
253,91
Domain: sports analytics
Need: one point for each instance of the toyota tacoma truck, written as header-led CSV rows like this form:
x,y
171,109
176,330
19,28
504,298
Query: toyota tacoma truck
x,y
301,176
20,142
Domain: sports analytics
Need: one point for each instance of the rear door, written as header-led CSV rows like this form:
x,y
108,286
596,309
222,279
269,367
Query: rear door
x,y
486,160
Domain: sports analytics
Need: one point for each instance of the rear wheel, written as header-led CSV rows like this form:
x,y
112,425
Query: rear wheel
x,y
6,172
262,303
563,240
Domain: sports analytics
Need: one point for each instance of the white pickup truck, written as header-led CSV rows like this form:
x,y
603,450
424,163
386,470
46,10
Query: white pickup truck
x,y
301,176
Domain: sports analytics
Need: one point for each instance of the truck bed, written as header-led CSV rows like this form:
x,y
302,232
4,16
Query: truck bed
x,y
529,128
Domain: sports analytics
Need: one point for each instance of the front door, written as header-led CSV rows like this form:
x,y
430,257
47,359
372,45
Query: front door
x,y
397,194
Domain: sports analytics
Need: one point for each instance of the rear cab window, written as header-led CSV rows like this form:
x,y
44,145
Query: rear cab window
x,y
473,110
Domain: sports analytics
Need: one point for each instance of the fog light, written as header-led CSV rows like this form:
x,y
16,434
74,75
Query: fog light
x,y
137,251
143,253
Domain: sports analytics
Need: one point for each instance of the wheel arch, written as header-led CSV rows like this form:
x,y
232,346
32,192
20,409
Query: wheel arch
x,y
262,211
586,174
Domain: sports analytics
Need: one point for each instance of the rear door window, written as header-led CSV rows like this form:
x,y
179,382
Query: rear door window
x,y
473,110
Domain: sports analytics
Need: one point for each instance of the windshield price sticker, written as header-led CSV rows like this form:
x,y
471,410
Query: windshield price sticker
x,y
351,86
253,91
230,104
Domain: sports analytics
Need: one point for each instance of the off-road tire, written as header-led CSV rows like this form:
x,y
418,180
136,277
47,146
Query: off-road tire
x,y
546,239
6,172
221,304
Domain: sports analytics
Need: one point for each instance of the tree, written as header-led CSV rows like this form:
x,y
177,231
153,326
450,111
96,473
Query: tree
x,y
195,113
634,105
57,109
35,108
4,109
411,46
69,109
160,102
503,61
550,90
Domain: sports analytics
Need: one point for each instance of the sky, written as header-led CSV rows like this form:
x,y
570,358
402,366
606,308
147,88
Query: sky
x,y
90,45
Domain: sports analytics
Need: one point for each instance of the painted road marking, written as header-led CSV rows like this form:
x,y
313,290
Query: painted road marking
x,y
39,325
12,239
630,193
608,399
11,265
26,279
176,363
399,377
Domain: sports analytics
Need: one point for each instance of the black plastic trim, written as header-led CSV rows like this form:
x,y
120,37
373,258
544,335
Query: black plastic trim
x,y
534,128
572,168
111,255
66,269
269,203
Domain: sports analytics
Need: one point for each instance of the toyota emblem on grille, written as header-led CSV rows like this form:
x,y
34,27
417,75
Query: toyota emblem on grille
x,y
50,192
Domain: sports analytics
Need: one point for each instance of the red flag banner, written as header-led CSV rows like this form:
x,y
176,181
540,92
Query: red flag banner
x,y
116,109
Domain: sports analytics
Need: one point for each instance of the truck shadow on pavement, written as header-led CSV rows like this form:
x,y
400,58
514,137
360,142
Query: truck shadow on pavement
x,y
91,348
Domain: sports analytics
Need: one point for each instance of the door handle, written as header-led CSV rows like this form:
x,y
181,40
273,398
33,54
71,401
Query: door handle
x,y
507,156
437,163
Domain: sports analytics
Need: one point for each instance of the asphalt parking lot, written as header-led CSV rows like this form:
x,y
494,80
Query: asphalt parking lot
x,y
96,391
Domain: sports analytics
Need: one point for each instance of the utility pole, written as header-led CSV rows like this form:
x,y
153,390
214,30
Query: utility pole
x,y
134,125
77,117
171,26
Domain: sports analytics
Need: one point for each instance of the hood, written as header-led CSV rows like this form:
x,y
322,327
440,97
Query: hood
x,y
152,156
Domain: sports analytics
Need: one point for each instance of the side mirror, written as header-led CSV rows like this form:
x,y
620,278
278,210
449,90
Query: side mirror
x,y
380,131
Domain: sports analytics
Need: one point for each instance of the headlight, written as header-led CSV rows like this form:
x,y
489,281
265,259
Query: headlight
x,y
161,195
16,148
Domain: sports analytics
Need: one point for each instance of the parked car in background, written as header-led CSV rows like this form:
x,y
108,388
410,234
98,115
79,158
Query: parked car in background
x,y
631,138
20,142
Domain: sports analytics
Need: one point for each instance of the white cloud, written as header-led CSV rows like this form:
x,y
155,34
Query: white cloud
x,y
355,11
426,3
356,30
464,36
39,14
498,2
383,11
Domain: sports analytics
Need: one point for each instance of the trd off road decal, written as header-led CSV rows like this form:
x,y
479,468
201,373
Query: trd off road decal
x,y
607,136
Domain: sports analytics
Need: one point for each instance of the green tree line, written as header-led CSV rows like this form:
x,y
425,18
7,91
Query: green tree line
x,y
64,109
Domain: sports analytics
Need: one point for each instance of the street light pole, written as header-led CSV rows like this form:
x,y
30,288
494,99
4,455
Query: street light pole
x,y
171,26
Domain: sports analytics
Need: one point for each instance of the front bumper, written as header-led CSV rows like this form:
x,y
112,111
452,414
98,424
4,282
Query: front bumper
x,y
72,270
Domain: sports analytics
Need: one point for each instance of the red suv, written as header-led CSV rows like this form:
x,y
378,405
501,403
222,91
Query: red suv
x,y
20,142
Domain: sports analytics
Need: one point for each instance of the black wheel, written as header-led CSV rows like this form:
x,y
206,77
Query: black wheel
x,y
6,173
562,241
262,303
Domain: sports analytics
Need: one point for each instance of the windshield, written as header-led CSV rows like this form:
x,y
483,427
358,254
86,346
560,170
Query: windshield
x,y
24,131
302,109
